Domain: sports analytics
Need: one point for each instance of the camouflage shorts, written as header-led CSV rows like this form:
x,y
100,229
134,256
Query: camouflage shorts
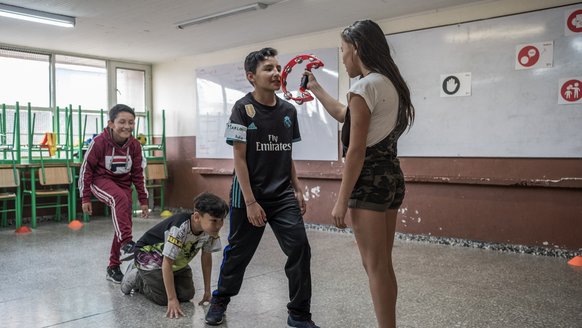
x,y
380,185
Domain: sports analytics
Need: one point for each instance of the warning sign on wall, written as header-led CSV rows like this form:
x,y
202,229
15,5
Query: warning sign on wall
x,y
573,22
534,55
456,84
569,91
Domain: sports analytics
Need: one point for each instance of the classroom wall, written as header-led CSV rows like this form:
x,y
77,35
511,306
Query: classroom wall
x,y
516,201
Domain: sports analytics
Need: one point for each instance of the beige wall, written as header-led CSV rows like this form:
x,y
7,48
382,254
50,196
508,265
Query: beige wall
x,y
174,82
513,201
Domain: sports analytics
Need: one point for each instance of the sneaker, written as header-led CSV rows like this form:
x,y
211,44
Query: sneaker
x,y
114,274
215,314
130,281
301,324
127,251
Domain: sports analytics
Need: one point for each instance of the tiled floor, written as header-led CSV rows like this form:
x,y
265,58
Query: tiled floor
x,y
55,277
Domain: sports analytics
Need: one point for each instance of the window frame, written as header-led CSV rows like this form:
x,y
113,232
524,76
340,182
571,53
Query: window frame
x,y
111,69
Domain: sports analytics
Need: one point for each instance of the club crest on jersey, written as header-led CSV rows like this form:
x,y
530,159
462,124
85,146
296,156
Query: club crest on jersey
x,y
287,122
250,109
118,164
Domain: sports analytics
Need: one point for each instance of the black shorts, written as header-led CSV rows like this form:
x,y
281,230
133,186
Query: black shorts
x,y
380,185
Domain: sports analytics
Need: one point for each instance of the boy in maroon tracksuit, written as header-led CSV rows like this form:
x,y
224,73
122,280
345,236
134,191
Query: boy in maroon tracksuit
x,y
112,163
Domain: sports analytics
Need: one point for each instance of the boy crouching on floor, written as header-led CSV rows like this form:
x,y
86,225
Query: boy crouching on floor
x,y
161,271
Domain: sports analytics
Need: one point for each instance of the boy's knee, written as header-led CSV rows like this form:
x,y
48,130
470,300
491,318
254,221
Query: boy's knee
x,y
121,197
301,241
155,293
185,295
158,299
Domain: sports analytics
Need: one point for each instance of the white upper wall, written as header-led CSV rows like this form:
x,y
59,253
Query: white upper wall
x,y
174,87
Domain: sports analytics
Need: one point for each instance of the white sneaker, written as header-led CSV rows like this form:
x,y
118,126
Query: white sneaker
x,y
130,280
126,252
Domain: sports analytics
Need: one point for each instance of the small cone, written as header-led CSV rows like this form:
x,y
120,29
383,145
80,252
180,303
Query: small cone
x,y
166,214
76,225
23,230
576,261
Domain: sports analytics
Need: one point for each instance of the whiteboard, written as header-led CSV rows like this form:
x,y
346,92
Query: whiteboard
x,y
509,112
219,87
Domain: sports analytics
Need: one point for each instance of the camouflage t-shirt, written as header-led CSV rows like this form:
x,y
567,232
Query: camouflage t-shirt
x,y
173,238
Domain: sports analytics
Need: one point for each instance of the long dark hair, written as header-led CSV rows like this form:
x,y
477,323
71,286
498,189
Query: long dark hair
x,y
374,53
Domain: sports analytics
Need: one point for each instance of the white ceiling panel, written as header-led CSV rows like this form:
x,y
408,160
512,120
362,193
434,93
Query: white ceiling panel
x,y
144,30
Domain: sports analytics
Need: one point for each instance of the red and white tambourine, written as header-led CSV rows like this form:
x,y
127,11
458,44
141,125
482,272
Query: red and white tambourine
x,y
303,95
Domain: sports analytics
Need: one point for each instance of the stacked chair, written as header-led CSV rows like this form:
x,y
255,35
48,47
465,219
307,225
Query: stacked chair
x,y
10,190
47,166
39,169
84,139
156,171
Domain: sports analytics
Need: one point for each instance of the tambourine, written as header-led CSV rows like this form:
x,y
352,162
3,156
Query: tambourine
x,y
303,95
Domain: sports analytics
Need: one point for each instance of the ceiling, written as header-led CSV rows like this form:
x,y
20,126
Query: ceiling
x,y
144,30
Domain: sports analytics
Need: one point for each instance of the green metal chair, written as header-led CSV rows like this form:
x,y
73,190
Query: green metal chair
x,y
53,171
156,171
156,176
82,148
10,191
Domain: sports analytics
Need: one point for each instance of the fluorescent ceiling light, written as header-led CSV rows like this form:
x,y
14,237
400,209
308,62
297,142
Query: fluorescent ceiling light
x,y
37,16
230,12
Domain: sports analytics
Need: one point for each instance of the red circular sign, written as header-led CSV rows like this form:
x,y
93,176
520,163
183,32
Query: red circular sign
x,y
570,91
574,21
528,56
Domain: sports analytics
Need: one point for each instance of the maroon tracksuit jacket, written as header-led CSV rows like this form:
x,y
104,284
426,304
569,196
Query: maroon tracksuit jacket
x,y
107,172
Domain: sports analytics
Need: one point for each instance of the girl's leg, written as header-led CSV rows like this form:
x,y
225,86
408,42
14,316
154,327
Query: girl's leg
x,y
374,233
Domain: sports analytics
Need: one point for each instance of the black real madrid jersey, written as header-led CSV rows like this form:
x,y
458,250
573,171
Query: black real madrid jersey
x,y
269,132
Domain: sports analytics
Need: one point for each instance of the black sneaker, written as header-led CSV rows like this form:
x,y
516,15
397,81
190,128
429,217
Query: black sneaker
x,y
131,280
215,314
127,251
301,324
114,274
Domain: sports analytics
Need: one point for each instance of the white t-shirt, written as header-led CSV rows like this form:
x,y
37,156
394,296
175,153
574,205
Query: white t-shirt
x,y
382,100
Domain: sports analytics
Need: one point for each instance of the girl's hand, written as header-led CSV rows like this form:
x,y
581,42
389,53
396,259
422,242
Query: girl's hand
x,y
311,80
338,214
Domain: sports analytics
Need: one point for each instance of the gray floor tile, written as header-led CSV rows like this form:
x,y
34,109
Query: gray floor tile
x,y
55,277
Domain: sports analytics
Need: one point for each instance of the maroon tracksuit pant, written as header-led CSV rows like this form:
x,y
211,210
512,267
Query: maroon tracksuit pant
x,y
119,199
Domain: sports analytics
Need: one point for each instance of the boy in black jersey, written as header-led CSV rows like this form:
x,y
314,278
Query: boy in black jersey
x,y
161,271
265,189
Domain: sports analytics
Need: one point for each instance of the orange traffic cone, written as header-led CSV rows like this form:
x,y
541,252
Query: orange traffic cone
x,y
23,230
576,261
76,225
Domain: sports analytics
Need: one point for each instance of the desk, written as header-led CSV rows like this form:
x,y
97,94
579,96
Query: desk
x,y
31,167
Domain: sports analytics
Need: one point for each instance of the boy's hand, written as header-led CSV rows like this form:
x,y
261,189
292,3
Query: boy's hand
x,y
145,211
87,208
174,310
301,201
256,215
205,298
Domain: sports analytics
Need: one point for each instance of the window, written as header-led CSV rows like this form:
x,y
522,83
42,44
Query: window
x,y
81,82
24,78
94,85
131,85
131,88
